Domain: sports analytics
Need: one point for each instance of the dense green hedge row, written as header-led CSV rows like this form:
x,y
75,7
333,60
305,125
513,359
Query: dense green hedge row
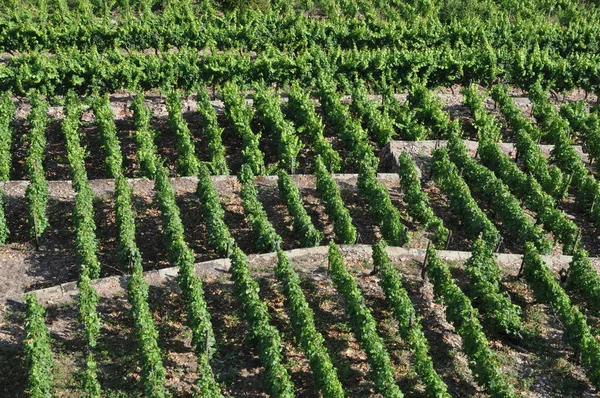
x,y
113,70
494,28
142,25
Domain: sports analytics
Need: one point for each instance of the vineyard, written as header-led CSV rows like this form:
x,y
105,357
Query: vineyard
x,y
249,198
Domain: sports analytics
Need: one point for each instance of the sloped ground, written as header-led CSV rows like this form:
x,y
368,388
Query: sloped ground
x,y
540,364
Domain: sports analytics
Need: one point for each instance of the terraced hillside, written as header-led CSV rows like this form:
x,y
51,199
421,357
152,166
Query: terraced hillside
x,y
340,198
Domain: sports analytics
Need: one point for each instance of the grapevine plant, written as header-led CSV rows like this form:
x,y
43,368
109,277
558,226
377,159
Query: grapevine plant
x,y
577,332
364,326
36,193
409,324
38,354
182,257
460,313
262,334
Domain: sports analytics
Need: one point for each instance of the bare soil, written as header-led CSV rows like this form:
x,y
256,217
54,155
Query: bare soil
x,y
539,365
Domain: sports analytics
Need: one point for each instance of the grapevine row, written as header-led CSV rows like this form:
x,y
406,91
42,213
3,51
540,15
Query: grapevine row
x,y
381,208
529,152
417,201
212,133
334,205
309,338
4,231
583,278
37,190
577,332
187,162
108,132
212,213
38,354
587,123
268,110
364,325
428,109
495,194
85,240
376,122
263,335
152,369
338,116
386,26
144,137
409,324
7,114
484,275
182,257
266,238
405,119
303,226
266,336
110,71
83,214
310,125
462,315
448,179
240,115
558,132
523,187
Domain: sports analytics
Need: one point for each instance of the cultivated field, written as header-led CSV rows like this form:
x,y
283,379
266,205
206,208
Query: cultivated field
x,y
340,198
